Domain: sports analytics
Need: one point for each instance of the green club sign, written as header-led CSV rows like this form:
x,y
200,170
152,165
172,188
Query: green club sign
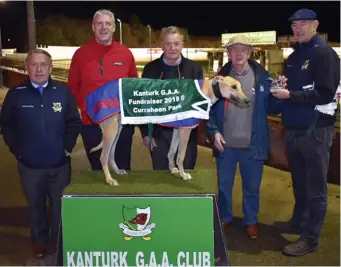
x,y
138,231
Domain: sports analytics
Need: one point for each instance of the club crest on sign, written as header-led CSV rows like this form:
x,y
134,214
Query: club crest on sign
x,y
136,223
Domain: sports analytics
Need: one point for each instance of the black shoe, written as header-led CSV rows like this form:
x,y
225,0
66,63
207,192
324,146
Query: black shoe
x,y
288,227
299,248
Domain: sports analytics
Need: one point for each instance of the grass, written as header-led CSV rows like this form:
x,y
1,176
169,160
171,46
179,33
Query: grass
x,y
144,182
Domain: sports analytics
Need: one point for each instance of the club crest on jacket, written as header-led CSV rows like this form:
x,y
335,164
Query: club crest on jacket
x,y
57,107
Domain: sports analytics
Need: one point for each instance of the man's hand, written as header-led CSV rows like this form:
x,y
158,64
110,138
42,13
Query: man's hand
x,y
146,142
280,93
219,141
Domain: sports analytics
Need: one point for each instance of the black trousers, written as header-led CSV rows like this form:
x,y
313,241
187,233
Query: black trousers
x,y
38,184
308,158
92,136
163,139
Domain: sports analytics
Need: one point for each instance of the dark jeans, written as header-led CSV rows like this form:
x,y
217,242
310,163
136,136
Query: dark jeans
x,y
163,139
38,184
92,136
308,158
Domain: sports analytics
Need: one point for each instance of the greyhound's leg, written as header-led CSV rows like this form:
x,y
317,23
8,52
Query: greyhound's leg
x,y
109,131
112,152
172,150
184,137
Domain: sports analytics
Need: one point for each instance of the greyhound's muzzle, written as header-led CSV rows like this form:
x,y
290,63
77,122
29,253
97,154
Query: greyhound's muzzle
x,y
239,100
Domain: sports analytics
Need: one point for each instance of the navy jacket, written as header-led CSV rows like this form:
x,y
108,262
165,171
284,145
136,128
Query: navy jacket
x,y
264,103
313,72
38,129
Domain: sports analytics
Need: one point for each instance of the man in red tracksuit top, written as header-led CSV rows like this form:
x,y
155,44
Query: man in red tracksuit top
x,y
100,61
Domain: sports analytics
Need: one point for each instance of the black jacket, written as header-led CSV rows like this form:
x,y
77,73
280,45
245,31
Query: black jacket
x,y
313,72
38,129
188,69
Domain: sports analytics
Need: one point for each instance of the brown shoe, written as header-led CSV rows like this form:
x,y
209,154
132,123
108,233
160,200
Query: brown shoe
x,y
224,227
39,250
252,231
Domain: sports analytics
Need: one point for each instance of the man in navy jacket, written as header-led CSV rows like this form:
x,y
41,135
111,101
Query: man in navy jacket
x,y
308,114
241,134
40,124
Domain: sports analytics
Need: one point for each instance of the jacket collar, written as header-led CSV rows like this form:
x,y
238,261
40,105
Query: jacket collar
x,y
102,47
160,63
28,83
316,39
256,67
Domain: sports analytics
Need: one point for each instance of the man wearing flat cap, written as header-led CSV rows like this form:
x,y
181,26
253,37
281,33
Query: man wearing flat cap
x,y
308,108
244,140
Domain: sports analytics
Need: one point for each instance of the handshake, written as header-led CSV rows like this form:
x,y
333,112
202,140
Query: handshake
x,y
278,88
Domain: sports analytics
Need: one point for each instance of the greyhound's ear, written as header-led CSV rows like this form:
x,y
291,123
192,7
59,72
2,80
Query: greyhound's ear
x,y
217,79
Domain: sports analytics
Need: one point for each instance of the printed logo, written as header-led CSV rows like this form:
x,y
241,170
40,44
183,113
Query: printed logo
x,y
308,87
118,63
136,223
261,88
57,107
305,65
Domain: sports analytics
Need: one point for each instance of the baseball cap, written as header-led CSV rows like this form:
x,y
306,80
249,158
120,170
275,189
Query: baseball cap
x,y
239,39
303,14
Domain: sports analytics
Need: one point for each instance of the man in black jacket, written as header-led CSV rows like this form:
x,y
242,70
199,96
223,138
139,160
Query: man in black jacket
x,y
40,124
171,65
308,114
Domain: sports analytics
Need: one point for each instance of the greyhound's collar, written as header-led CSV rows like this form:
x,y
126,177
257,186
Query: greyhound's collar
x,y
216,91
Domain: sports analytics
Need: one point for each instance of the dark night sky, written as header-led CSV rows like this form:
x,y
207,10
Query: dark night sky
x,y
201,18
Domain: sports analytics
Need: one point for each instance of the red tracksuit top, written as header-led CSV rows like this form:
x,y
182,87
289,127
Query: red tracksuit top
x,y
93,65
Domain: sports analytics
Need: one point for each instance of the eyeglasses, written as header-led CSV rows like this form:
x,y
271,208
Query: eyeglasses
x,y
101,67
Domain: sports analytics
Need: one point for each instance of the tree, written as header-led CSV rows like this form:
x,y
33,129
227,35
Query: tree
x,y
134,22
61,30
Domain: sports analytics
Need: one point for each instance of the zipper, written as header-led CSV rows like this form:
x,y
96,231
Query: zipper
x,y
101,67
43,124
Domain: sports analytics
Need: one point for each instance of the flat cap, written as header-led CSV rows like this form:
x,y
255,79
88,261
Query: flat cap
x,y
239,39
303,14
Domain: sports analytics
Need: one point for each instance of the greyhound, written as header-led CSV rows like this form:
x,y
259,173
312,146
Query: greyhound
x,y
215,88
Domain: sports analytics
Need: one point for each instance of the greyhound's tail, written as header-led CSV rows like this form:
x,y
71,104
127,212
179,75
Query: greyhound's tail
x,y
96,148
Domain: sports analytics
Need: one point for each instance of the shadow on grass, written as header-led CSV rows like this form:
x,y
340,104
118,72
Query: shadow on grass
x,y
14,245
14,249
270,238
15,217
